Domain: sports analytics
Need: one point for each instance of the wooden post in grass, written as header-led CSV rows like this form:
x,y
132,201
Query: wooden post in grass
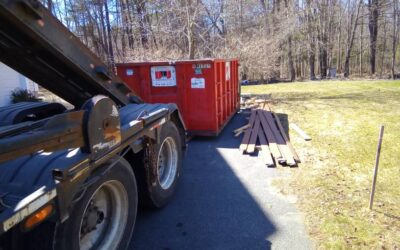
x,y
378,153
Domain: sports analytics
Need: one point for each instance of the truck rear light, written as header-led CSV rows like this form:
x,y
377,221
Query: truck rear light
x,y
38,217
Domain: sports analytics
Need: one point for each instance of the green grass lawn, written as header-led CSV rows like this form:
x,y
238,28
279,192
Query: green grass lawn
x,y
334,180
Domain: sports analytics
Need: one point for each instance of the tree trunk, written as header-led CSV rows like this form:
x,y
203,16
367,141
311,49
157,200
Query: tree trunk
x,y
50,6
192,42
361,47
323,55
241,16
111,62
373,7
292,72
141,9
394,41
311,62
351,39
383,50
127,22
276,11
322,39
311,40
323,61
339,54
103,31
265,14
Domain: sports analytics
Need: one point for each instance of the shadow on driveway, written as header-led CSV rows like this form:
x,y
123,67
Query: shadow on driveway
x,y
212,208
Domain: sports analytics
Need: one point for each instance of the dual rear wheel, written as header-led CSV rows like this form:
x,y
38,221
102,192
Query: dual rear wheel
x,y
104,217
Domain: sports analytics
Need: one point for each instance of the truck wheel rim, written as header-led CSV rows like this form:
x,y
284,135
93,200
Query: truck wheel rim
x,y
103,223
167,163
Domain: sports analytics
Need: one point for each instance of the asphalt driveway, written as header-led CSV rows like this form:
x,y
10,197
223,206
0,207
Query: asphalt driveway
x,y
225,200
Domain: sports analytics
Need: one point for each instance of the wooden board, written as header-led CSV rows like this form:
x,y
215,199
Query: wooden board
x,y
273,146
284,149
300,132
246,137
267,107
239,133
241,128
265,152
253,139
282,132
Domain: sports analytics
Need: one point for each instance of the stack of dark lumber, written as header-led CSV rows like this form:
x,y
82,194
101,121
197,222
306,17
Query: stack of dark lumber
x,y
265,133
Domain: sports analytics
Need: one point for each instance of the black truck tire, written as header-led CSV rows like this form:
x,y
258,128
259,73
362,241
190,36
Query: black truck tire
x,y
105,214
162,166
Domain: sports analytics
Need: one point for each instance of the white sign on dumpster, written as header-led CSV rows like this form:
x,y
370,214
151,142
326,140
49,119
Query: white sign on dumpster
x,y
163,76
227,71
198,83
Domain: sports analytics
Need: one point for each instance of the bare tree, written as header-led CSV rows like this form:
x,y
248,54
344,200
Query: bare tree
x,y
272,38
311,39
111,60
292,72
373,7
394,34
352,32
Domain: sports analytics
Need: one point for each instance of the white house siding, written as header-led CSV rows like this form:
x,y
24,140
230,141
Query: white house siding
x,y
10,80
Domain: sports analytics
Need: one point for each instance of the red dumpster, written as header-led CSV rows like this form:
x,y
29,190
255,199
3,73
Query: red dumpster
x,y
206,91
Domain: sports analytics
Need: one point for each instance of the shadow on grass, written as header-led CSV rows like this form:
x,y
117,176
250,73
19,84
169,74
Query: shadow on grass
x,y
379,97
395,217
283,118
370,96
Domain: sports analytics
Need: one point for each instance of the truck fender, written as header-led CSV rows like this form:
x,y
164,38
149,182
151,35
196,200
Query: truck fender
x,y
175,116
92,178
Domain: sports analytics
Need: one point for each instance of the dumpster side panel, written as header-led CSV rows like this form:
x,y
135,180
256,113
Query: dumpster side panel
x,y
235,84
200,96
206,91
132,76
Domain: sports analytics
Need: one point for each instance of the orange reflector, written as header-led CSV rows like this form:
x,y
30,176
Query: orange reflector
x,y
38,217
